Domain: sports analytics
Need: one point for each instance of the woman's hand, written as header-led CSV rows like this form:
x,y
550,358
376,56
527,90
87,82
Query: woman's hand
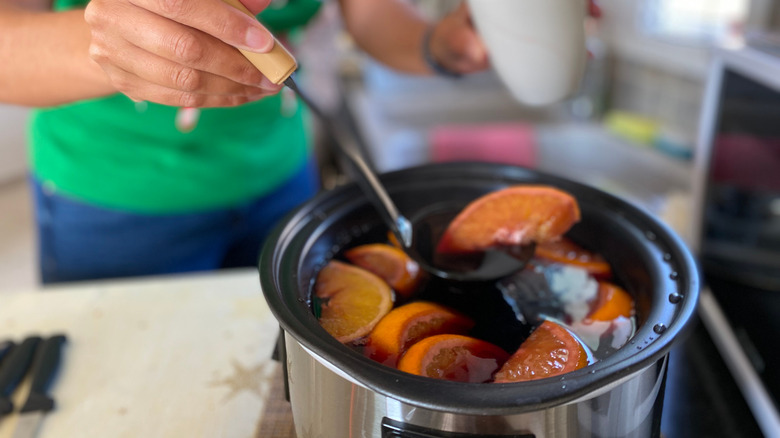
x,y
180,52
455,45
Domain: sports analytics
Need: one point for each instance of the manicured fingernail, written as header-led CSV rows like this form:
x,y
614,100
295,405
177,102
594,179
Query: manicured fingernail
x,y
259,39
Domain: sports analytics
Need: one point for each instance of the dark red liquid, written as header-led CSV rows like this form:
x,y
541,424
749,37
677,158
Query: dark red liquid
x,y
506,311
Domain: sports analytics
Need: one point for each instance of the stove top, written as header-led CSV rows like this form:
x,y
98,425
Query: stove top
x,y
702,398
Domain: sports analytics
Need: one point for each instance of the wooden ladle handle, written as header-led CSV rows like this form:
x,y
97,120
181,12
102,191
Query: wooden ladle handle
x,y
278,64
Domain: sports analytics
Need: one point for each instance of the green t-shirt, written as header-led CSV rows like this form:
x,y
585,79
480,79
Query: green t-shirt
x,y
115,153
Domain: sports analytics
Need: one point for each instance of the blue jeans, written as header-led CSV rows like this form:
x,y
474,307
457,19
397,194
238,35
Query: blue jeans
x,y
77,241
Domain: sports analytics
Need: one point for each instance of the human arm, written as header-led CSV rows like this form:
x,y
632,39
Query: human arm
x,y
164,51
392,31
46,57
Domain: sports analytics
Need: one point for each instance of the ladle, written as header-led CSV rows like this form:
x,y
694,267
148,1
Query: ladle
x,y
418,238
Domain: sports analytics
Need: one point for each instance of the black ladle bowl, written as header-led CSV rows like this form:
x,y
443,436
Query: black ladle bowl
x,y
419,236
429,224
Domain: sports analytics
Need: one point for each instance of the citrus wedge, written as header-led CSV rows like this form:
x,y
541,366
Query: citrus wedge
x,y
515,215
612,302
390,263
407,324
453,357
551,350
393,241
353,300
567,252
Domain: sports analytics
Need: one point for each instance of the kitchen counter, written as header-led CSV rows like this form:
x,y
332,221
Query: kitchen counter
x,y
183,356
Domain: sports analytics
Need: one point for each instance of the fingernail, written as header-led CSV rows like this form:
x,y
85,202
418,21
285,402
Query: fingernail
x,y
259,39
266,84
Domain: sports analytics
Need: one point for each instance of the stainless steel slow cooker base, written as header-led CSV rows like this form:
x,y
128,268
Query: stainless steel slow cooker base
x,y
328,403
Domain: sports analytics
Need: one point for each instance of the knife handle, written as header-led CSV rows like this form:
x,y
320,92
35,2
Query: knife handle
x,y
13,370
45,366
5,348
278,64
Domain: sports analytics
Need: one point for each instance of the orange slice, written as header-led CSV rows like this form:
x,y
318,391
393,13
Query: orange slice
x,y
393,240
353,300
515,215
567,252
390,263
453,357
612,302
551,350
407,324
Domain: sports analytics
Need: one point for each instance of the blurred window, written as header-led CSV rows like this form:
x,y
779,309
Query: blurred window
x,y
694,21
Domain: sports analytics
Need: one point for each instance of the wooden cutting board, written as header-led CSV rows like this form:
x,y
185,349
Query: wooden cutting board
x,y
186,356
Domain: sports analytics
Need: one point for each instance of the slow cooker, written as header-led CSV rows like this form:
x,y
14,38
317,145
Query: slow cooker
x,y
336,392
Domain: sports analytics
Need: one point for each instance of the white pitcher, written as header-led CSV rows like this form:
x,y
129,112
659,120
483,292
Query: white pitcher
x,y
537,47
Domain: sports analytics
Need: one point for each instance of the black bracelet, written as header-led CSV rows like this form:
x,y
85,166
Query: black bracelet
x,y
430,61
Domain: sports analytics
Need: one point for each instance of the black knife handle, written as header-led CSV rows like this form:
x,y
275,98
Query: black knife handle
x,y
45,366
5,348
13,370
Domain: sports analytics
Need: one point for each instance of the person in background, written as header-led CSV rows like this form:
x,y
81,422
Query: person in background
x,y
126,182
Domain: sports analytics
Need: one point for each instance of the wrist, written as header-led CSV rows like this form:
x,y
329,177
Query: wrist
x,y
430,60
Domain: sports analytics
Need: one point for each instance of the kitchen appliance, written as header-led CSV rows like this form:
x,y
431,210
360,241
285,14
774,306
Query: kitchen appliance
x,y
336,392
737,222
536,47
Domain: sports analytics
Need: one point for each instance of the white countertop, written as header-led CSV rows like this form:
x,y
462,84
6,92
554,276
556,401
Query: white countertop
x,y
185,356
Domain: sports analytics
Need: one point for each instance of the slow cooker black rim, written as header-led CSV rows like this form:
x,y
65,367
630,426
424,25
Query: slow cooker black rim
x,y
483,399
